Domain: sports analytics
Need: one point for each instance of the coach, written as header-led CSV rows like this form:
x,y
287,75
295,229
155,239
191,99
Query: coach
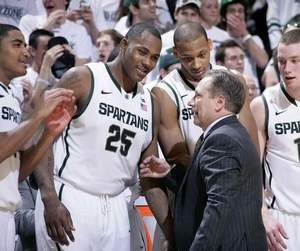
x,y
218,205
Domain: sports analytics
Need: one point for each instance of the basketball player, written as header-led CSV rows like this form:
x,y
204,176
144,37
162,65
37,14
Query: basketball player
x,y
277,116
177,132
15,162
97,156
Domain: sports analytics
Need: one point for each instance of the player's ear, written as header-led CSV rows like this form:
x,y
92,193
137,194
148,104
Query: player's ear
x,y
123,44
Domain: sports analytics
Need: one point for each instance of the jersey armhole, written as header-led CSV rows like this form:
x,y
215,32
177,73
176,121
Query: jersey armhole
x,y
175,95
89,97
266,116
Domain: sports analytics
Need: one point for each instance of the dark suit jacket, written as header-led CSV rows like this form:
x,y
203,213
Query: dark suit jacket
x,y
218,206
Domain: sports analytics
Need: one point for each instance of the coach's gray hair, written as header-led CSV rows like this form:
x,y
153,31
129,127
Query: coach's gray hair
x,y
229,85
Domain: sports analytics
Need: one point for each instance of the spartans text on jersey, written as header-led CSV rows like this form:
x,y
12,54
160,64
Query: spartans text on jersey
x,y
125,117
10,114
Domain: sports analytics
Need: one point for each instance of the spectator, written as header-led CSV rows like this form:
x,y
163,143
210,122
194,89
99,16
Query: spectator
x,y
107,40
139,11
11,11
278,14
57,22
209,18
231,55
185,11
233,13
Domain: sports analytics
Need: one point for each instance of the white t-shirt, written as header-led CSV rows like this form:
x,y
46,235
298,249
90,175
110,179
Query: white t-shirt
x,y
11,11
10,118
121,26
76,34
217,36
104,12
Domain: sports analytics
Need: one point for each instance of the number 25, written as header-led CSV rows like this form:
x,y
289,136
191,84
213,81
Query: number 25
x,y
124,136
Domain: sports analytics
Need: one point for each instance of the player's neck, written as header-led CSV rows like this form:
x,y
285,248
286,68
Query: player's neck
x,y
125,82
4,79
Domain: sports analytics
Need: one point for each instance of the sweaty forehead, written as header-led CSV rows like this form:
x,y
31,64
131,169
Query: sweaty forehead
x,y
146,39
288,50
14,35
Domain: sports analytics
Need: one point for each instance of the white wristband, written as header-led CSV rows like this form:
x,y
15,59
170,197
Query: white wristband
x,y
246,38
43,82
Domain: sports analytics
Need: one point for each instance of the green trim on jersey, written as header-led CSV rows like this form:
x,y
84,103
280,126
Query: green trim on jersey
x,y
175,95
89,97
67,151
117,83
292,100
266,116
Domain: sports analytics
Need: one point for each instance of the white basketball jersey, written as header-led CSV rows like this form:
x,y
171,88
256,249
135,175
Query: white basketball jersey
x,y
282,156
181,92
10,118
100,149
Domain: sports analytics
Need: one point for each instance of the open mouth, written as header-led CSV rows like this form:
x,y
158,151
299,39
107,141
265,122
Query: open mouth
x,y
141,72
102,57
289,78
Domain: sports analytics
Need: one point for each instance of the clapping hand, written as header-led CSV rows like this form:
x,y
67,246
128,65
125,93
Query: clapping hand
x,y
60,117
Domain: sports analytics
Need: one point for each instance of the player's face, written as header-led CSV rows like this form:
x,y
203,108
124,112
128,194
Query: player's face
x,y
194,57
13,56
234,59
289,64
141,56
104,45
203,104
187,14
209,11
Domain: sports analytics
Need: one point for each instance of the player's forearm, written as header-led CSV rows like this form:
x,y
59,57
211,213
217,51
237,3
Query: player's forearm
x,y
32,156
43,174
247,120
179,155
158,202
13,141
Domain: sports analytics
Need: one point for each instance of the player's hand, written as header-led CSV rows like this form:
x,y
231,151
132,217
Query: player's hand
x,y
50,99
153,167
167,247
275,233
60,117
58,222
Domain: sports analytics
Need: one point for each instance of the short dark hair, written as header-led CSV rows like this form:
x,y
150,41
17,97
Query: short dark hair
x,y
5,28
220,50
188,32
224,6
33,37
115,36
290,37
138,29
230,86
